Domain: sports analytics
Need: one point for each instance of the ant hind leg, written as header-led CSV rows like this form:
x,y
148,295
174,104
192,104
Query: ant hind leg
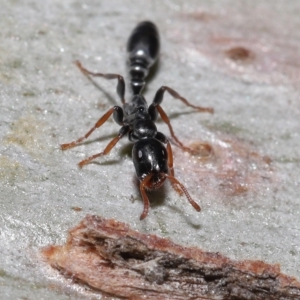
x,y
120,85
160,95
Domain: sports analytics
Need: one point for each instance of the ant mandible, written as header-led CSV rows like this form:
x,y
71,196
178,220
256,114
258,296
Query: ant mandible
x,y
151,153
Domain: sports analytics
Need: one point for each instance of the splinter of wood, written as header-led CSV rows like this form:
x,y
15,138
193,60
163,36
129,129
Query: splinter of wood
x,y
109,257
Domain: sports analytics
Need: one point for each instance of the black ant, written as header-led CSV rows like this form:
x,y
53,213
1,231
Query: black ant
x,y
151,153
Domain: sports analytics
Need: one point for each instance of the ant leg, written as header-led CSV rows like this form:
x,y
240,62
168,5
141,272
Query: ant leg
x,y
143,185
160,94
107,149
161,137
121,83
117,112
171,169
166,119
193,203
155,107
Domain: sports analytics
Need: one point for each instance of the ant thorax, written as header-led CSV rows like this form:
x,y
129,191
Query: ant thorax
x,y
136,108
143,128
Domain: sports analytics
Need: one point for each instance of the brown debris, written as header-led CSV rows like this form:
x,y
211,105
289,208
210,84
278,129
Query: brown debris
x,y
235,45
239,54
112,258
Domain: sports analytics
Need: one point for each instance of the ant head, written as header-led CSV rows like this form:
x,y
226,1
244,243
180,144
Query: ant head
x,y
156,181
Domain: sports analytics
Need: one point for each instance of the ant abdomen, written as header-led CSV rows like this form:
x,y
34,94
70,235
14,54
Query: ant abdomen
x,y
143,48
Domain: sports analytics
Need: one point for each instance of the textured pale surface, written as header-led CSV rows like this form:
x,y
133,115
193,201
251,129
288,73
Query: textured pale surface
x,y
46,101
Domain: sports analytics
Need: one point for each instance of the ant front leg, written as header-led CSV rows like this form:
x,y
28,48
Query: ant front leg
x,y
178,186
121,83
161,137
155,108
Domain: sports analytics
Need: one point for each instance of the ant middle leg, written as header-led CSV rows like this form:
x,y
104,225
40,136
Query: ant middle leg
x,y
107,149
205,147
120,85
166,119
118,114
155,108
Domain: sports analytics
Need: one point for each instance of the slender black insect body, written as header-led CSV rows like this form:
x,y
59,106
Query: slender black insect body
x,y
143,48
151,153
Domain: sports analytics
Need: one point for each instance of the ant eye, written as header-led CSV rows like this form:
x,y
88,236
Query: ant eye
x,y
140,154
141,109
